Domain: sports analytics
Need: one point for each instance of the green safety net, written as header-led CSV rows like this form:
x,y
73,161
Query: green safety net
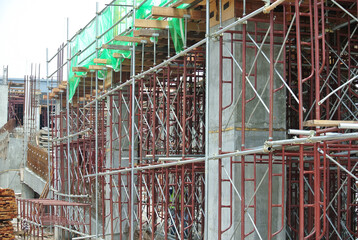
x,y
83,45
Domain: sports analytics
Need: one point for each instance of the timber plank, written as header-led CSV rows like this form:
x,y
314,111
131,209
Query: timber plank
x,y
79,69
145,23
177,13
131,39
325,123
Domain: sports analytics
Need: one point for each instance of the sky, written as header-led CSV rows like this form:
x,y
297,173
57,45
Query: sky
x,y
28,27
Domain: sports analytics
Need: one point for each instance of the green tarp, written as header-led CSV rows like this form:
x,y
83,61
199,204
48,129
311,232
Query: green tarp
x,y
121,17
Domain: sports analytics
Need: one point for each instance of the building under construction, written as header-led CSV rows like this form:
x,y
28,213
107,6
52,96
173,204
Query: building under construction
x,y
196,119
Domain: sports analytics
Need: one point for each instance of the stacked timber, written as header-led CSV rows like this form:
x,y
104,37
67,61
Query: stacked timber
x,y
6,230
8,211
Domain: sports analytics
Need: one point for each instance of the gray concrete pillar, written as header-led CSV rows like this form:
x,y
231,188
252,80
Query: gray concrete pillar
x,y
257,123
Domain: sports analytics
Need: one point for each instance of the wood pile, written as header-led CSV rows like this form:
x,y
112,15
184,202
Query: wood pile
x,y
8,211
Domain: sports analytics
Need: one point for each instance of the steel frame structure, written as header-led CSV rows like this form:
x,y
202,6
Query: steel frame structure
x,y
137,152
39,213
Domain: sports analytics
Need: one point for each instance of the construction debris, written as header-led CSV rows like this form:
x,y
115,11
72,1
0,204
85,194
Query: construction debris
x,y
8,211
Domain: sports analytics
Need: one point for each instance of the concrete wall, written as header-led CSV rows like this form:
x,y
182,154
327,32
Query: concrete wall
x,y
256,120
3,104
12,173
10,163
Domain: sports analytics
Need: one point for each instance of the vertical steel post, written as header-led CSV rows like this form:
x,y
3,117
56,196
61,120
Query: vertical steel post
x,y
207,72
48,123
68,114
271,89
243,119
96,127
132,133
220,136
300,121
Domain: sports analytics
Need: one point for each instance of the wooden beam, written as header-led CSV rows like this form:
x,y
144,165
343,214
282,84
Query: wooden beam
x,y
325,123
62,87
196,27
89,74
150,32
79,69
99,60
131,39
195,3
56,90
180,2
144,23
116,47
177,13
97,67
52,95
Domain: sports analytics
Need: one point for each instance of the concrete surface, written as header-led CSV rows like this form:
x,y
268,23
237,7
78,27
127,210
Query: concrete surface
x,y
3,104
256,119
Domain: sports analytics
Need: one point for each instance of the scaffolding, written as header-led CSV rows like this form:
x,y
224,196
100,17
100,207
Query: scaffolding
x,y
140,133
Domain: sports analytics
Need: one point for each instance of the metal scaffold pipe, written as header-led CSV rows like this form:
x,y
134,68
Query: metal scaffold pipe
x,y
262,150
133,115
68,122
96,131
343,136
207,75
348,126
301,132
339,165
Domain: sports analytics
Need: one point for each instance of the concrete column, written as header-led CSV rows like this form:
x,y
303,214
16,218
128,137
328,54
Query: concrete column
x,y
117,148
257,123
3,104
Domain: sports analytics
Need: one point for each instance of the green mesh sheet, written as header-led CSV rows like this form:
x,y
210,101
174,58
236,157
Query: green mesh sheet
x,y
85,41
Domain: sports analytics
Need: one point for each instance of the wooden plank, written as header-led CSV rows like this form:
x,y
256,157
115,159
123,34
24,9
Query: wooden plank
x,y
116,47
325,123
150,32
99,60
97,67
177,13
56,90
63,85
79,69
228,9
131,39
196,3
144,23
117,55
180,2
52,95
196,27
108,79
88,75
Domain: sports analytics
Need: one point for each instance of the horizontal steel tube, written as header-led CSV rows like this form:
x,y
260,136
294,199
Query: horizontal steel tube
x,y
312,139
196,160
70,136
